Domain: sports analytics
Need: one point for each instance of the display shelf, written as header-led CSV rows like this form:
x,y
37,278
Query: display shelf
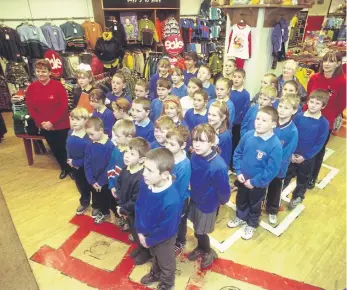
x,y
264,6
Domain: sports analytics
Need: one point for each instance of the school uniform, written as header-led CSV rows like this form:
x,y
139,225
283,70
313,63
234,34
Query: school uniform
x,y
156,109
247,123
230,106
313,132
277,101
225,143
155,144
182,173
153,86
115,165
107,118
259,160
241,100
76,146
157,216
189,75
288,136
194,118
145,129
210,90
112,97
180,91
96,160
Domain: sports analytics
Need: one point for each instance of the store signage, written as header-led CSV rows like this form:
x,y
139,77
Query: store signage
x,y
174,44
141,4
55,62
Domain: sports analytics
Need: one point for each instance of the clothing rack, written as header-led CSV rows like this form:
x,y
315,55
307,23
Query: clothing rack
x,y
43,19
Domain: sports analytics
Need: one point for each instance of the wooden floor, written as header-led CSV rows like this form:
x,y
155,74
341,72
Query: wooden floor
x,y
312,250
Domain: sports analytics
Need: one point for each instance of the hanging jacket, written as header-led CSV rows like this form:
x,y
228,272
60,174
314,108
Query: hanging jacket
x,y
279,35
54,36
109,47
33,41
74,35
11,47
92,32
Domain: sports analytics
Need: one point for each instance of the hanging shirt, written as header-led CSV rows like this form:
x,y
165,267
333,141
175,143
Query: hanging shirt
x,y
240,42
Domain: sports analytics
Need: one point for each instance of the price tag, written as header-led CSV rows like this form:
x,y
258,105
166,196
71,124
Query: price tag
x,y
7,37
75,30
115,27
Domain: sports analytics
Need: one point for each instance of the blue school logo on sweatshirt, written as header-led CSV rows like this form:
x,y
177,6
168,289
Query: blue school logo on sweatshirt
x,y
260,154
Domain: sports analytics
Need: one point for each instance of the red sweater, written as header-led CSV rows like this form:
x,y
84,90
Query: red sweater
x,y
48,103
337,100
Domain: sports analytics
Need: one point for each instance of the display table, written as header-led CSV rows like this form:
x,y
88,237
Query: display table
x,y
31,141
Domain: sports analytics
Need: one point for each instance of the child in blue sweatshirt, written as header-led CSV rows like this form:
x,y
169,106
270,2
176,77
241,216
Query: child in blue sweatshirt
x,y
163,72
76,144
97,156
198,114
118,89
141,89
178,88
163,91
218,119
127,189
157,215
204,75
97,101
288,136
313,131
266,97
209,189
173,109
222,95
123,131
257,161
176,141
140,110
241,100
162,126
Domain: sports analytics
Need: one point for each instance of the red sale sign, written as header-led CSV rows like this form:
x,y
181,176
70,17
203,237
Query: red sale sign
x,y
174,45
55,62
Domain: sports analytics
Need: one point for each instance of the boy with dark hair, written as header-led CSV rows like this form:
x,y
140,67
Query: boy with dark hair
x,y
288,136
140,111
157,216
257,161
241,100
97,156
127,188
163,90
313,131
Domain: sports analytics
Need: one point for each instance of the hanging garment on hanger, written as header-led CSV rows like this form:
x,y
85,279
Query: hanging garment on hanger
x,y
278,39
92,32
5,98
109,49
33,41
147,26
11,47
54,37
74,35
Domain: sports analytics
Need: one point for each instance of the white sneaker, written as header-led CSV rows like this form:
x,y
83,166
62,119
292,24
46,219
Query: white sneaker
x,y
273,219
236,222
248,233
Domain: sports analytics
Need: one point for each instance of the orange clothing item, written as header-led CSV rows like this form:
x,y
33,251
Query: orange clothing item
x,y
158,28
84,103
92,31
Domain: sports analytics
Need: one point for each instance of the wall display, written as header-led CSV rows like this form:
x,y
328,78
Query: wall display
x,y
141,3
129,21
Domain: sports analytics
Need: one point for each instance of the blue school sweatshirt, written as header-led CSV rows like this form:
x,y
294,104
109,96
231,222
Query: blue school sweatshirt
x,y
194,120
153,86
182,172
155,144
115,166
111,97
146,132
257,159
241,101
276,102
76,148
209,184
156,109
288,136
211,91
231,108
312,134
107,118
180,92
157,214
96,162
225,144
188,76
247,123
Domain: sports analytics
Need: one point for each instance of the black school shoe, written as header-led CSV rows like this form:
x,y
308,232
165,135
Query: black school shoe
x,y
195,254
163,286
63,174
81,209
142,257
149,279
135,252
100,218
208,259
312,184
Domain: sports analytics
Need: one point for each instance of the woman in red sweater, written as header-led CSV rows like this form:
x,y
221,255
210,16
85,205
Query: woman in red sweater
x,y
47,104
331,78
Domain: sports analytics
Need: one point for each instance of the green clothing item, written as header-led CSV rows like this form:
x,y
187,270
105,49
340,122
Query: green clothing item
x,y
129,30
215,64
147,24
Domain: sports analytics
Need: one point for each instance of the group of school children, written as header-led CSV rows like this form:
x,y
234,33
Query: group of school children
x,y
164,157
